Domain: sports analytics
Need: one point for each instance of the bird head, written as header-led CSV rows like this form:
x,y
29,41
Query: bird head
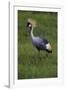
x,y
31,24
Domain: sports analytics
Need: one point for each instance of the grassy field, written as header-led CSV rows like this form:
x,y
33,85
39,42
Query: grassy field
x,y
31,64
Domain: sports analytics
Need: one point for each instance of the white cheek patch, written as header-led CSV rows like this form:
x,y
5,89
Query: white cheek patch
x,y
29,25
48,46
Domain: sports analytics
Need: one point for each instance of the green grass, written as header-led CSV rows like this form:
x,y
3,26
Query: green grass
x,y
31,64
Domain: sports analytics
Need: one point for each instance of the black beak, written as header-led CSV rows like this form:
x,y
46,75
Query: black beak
x,y
28,24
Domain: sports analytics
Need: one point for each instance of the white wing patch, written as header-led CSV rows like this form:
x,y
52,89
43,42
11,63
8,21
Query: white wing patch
x,y
48,46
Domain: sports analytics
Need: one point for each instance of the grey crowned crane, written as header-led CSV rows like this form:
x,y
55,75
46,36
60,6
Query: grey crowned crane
x,y
39,43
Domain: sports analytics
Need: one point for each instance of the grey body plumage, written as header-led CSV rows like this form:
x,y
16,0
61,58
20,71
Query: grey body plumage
x,y
39,43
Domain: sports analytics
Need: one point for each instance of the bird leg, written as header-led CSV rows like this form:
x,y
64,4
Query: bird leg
x,y
46,54
39,55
